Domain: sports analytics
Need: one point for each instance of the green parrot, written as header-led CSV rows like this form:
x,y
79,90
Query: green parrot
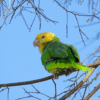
x,y
57,56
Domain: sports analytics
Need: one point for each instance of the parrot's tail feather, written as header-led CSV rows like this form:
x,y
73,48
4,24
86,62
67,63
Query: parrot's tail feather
x,y
81,67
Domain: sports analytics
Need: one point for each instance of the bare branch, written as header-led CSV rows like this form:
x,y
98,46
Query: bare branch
x,y
93,91
91,55
79,85
8,94
38,12
55,89
94,65
3,89
93,15
30,94
42,14
93,79
84,92
39,92
80,30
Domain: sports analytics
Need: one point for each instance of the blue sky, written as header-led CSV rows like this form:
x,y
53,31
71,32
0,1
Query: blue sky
x,y
20,61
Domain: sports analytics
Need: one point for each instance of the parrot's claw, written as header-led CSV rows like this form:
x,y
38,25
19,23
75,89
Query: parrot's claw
x,y
67,72
55,75
71,69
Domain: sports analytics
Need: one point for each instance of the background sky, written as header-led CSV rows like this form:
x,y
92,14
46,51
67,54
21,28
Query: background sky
x,y
20,61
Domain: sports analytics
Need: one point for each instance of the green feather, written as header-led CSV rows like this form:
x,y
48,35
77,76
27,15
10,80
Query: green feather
x,y
61,56
62,64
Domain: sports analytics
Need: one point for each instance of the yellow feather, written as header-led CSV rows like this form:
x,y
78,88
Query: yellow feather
x,y
42,41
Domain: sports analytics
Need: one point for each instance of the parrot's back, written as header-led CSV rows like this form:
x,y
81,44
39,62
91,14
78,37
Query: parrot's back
x,y
57,55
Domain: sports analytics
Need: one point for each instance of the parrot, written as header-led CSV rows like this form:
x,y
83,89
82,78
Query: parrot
x,y
57,56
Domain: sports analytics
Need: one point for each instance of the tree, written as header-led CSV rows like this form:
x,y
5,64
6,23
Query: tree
x,y
31,6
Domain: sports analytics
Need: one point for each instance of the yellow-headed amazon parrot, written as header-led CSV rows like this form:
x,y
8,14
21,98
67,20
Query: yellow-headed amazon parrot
x,y
57,56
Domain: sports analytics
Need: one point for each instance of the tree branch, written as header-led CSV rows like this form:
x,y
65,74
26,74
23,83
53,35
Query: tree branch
x,y
78,86
94,65
94,90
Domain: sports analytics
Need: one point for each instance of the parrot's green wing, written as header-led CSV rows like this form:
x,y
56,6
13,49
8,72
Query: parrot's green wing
x,y
57,55
75,53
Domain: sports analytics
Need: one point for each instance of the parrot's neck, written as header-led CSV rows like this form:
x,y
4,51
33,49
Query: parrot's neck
x,y
42,46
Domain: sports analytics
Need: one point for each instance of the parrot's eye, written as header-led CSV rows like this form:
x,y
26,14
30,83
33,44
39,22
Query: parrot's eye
x,y
43,37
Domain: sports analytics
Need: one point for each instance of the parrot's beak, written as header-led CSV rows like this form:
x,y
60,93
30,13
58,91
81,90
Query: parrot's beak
x,y
36,42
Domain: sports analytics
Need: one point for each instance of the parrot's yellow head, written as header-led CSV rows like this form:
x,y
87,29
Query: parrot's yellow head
x,y
43,39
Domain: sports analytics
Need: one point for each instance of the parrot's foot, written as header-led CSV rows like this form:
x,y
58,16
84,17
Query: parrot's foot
x,y
55,75
67,72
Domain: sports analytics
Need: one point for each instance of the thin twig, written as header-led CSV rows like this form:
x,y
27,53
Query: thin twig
x,y
55,89
91,55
